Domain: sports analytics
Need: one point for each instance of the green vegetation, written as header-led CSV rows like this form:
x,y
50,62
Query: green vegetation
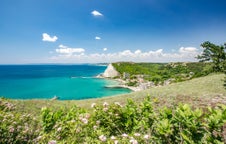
x,y
160,72
16,127
215,54
192,111
212,59
114,123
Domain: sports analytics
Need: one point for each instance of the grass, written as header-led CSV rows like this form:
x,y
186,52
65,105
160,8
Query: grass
x,y
199,92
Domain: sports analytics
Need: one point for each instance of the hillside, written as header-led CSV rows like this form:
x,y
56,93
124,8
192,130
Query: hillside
x,y
160,73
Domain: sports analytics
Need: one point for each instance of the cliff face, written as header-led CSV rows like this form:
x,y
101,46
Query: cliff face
x,y
110,72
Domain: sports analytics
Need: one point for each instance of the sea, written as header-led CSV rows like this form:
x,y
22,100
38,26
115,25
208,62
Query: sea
x,y
67,82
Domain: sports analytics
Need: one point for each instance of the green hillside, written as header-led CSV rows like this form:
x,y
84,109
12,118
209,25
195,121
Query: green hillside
x,y
160,72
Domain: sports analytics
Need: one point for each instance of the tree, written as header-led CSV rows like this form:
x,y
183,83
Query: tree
x,y
215,54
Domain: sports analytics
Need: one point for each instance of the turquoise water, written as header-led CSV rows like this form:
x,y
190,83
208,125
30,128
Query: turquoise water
x,y
68,82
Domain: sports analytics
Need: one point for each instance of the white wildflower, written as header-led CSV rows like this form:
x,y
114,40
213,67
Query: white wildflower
x,y
137,134
84,120
133,141
87,115
146,136
105,109
93,105
124,135
102,138
116,142
105,104
113,137
59,129
52,142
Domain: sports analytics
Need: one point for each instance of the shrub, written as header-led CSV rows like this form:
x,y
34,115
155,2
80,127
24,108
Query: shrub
x,y
115,123
16,127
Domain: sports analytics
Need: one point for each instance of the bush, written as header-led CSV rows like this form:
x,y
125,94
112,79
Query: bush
x,y
115,123
16,127
140,123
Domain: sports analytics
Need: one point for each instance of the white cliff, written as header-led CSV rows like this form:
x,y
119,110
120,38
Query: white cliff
x,y
110,72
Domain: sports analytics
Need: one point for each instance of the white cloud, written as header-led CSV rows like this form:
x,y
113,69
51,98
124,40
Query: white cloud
x,y
62,46
188,50
137,52
46,37
97,38
96,13
180,55
69,51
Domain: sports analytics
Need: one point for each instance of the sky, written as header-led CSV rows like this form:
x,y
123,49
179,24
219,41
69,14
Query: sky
x,y
99,31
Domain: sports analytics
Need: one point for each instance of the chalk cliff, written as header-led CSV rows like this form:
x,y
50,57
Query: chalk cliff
x,y
110,72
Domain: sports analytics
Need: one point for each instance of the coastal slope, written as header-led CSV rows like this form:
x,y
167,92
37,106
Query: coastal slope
x,y
110,72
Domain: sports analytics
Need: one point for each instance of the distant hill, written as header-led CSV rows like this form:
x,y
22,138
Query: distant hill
x,y
160,72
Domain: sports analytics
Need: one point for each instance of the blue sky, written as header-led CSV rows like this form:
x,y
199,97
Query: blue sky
x,y
90,31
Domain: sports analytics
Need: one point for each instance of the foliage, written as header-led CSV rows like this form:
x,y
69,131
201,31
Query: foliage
x,y
16,127
115,123
160,72
132,83
215,54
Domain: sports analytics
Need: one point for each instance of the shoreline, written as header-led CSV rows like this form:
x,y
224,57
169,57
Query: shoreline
x,y
121,83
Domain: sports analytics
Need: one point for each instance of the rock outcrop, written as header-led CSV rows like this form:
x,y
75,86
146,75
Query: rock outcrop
x,y
110,72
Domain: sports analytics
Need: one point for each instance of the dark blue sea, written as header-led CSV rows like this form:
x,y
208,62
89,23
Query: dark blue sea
x,y
68,82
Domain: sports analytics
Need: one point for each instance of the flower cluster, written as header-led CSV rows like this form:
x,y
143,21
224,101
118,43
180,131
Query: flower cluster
x,y
5,105
16,127
84,118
